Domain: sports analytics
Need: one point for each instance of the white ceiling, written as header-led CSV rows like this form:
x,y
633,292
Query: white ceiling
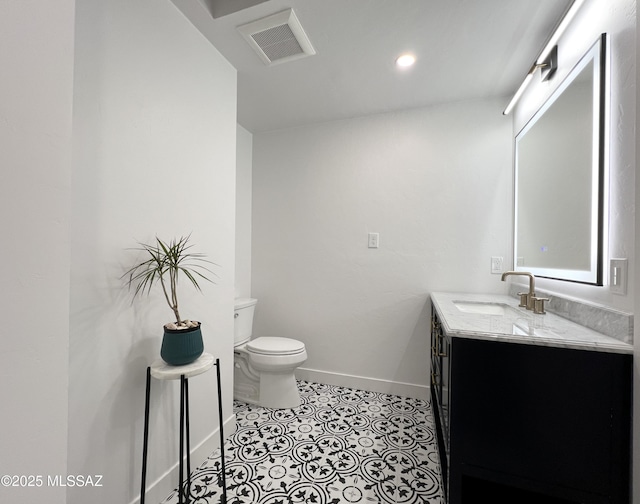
x,y
465,49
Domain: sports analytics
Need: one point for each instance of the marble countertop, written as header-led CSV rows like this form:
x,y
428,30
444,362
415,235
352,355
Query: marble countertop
x,y
517,325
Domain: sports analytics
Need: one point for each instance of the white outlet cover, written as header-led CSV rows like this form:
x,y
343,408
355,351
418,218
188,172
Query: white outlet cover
x,y
497,264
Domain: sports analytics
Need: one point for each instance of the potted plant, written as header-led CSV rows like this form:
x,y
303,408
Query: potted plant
x,y
164,264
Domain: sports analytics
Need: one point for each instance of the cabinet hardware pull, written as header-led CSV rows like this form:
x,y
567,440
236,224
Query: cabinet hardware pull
x,y
439,353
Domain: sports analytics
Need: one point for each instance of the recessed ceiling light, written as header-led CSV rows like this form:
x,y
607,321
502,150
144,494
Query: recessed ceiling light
x,y
406,60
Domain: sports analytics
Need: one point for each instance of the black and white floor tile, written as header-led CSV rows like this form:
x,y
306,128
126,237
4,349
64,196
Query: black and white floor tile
x,y
339,446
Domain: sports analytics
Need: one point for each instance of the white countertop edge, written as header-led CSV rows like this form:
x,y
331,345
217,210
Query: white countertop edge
x,y
622,348
606,343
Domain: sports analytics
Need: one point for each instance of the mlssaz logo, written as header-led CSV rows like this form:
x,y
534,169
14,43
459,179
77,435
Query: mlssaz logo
x,y
75,480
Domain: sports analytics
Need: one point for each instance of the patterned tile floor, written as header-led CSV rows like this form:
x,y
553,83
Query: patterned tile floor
x,y
339,446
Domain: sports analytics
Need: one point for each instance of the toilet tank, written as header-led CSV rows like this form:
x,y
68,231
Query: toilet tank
x,y
243,320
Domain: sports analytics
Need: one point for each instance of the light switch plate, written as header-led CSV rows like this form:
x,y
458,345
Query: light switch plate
x,y
618,272
374,240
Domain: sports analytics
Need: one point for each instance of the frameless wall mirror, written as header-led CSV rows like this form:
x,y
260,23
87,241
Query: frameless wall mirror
x,y
559,178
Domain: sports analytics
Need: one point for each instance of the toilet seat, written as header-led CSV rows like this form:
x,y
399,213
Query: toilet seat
x,y
273,345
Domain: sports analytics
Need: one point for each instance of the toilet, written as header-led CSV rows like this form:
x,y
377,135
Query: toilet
x,y
264,367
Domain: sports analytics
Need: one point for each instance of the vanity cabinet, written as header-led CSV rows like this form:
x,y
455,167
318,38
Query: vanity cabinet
x,y
527,423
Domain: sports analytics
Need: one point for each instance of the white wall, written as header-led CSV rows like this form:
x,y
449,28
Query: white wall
x,y
636,281
435,183
618,19
36,51
244,166
154,153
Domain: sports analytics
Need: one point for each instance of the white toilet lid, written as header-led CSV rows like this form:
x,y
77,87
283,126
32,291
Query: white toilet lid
x,y
270,345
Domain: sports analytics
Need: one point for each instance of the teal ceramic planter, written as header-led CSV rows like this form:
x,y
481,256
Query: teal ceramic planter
x,y
181,346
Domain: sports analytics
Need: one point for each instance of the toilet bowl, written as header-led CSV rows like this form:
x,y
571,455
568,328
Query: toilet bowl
x,y
264,367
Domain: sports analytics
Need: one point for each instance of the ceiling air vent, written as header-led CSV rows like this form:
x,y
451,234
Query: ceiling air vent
x,y
277,38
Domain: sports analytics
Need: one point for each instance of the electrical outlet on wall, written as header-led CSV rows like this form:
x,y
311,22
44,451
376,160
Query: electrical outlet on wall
x,y
497,265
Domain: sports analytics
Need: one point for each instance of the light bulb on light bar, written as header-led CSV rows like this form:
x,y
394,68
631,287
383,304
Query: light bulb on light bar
x,y
520,90
559,30
541,60
406,60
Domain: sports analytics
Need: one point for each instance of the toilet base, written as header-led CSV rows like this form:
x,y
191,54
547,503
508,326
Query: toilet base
x,y
245,390
279,391
266,389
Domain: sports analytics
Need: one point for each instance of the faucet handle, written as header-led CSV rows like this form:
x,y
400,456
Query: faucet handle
x,y
538,305
524,299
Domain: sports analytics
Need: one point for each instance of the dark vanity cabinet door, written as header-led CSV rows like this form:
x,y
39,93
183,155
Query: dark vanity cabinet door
x,y
440,390
538,424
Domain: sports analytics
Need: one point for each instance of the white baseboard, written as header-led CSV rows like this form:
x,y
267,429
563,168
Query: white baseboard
x,y
160,489
364,383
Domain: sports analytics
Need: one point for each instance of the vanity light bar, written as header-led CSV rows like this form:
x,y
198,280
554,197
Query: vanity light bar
x,y
560,30
543,59
520,90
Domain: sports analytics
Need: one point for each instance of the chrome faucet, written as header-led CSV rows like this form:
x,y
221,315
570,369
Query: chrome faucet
x,y
528,300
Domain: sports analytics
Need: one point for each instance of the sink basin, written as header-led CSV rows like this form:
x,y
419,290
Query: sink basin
x,y
483,308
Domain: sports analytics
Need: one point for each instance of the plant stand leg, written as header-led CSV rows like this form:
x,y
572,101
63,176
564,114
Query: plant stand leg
x,y
223,479
181,482
186,405
145,445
